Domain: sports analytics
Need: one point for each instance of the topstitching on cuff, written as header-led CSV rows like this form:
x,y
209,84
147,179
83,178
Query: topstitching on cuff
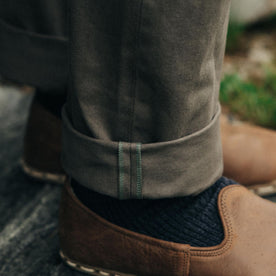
x,y
181,167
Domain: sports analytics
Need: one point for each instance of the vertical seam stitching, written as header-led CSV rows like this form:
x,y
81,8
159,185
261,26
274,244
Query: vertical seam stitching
x,y
137,40
121,171
139,171
130,171
186,263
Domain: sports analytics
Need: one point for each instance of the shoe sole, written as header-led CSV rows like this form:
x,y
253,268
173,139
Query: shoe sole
x,y
40,175
90,270
266,189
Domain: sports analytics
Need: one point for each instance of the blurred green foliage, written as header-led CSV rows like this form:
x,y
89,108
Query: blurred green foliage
x,y
255,102
235,31
251,102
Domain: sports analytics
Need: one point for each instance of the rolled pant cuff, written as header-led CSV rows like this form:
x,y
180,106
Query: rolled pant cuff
x,y
31,58
181,167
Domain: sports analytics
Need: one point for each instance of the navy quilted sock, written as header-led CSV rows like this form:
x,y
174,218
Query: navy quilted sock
x,y
190,220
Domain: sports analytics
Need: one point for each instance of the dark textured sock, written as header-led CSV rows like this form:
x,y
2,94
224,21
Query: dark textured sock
x,y
190,220
51,100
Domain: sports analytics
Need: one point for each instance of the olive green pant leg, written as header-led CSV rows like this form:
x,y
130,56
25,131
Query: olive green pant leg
x,y
142,117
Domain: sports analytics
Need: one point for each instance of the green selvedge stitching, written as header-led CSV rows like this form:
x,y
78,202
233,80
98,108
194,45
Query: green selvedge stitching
x,y
121,170
139,171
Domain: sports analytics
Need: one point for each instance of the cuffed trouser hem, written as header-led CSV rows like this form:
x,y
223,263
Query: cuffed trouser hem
x,y
181,167
31,58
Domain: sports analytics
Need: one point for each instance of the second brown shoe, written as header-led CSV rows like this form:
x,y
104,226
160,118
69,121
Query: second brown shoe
x,y
249,155
42,145
93,245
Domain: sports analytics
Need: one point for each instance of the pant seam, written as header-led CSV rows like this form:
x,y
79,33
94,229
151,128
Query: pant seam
x,y
137,43
130,170
139,171
121,171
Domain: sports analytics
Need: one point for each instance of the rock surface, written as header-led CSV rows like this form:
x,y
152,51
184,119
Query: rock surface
x,y
28,209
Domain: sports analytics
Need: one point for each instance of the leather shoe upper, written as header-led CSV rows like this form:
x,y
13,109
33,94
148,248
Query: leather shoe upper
x,y
248,249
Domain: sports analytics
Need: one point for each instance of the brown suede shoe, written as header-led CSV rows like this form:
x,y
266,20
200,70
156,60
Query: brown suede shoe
x,y
42,145
249,155
93,245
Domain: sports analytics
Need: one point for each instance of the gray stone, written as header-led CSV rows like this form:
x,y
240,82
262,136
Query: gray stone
x,y
28,209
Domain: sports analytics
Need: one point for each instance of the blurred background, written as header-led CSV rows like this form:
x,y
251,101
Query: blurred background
x,y
248,87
